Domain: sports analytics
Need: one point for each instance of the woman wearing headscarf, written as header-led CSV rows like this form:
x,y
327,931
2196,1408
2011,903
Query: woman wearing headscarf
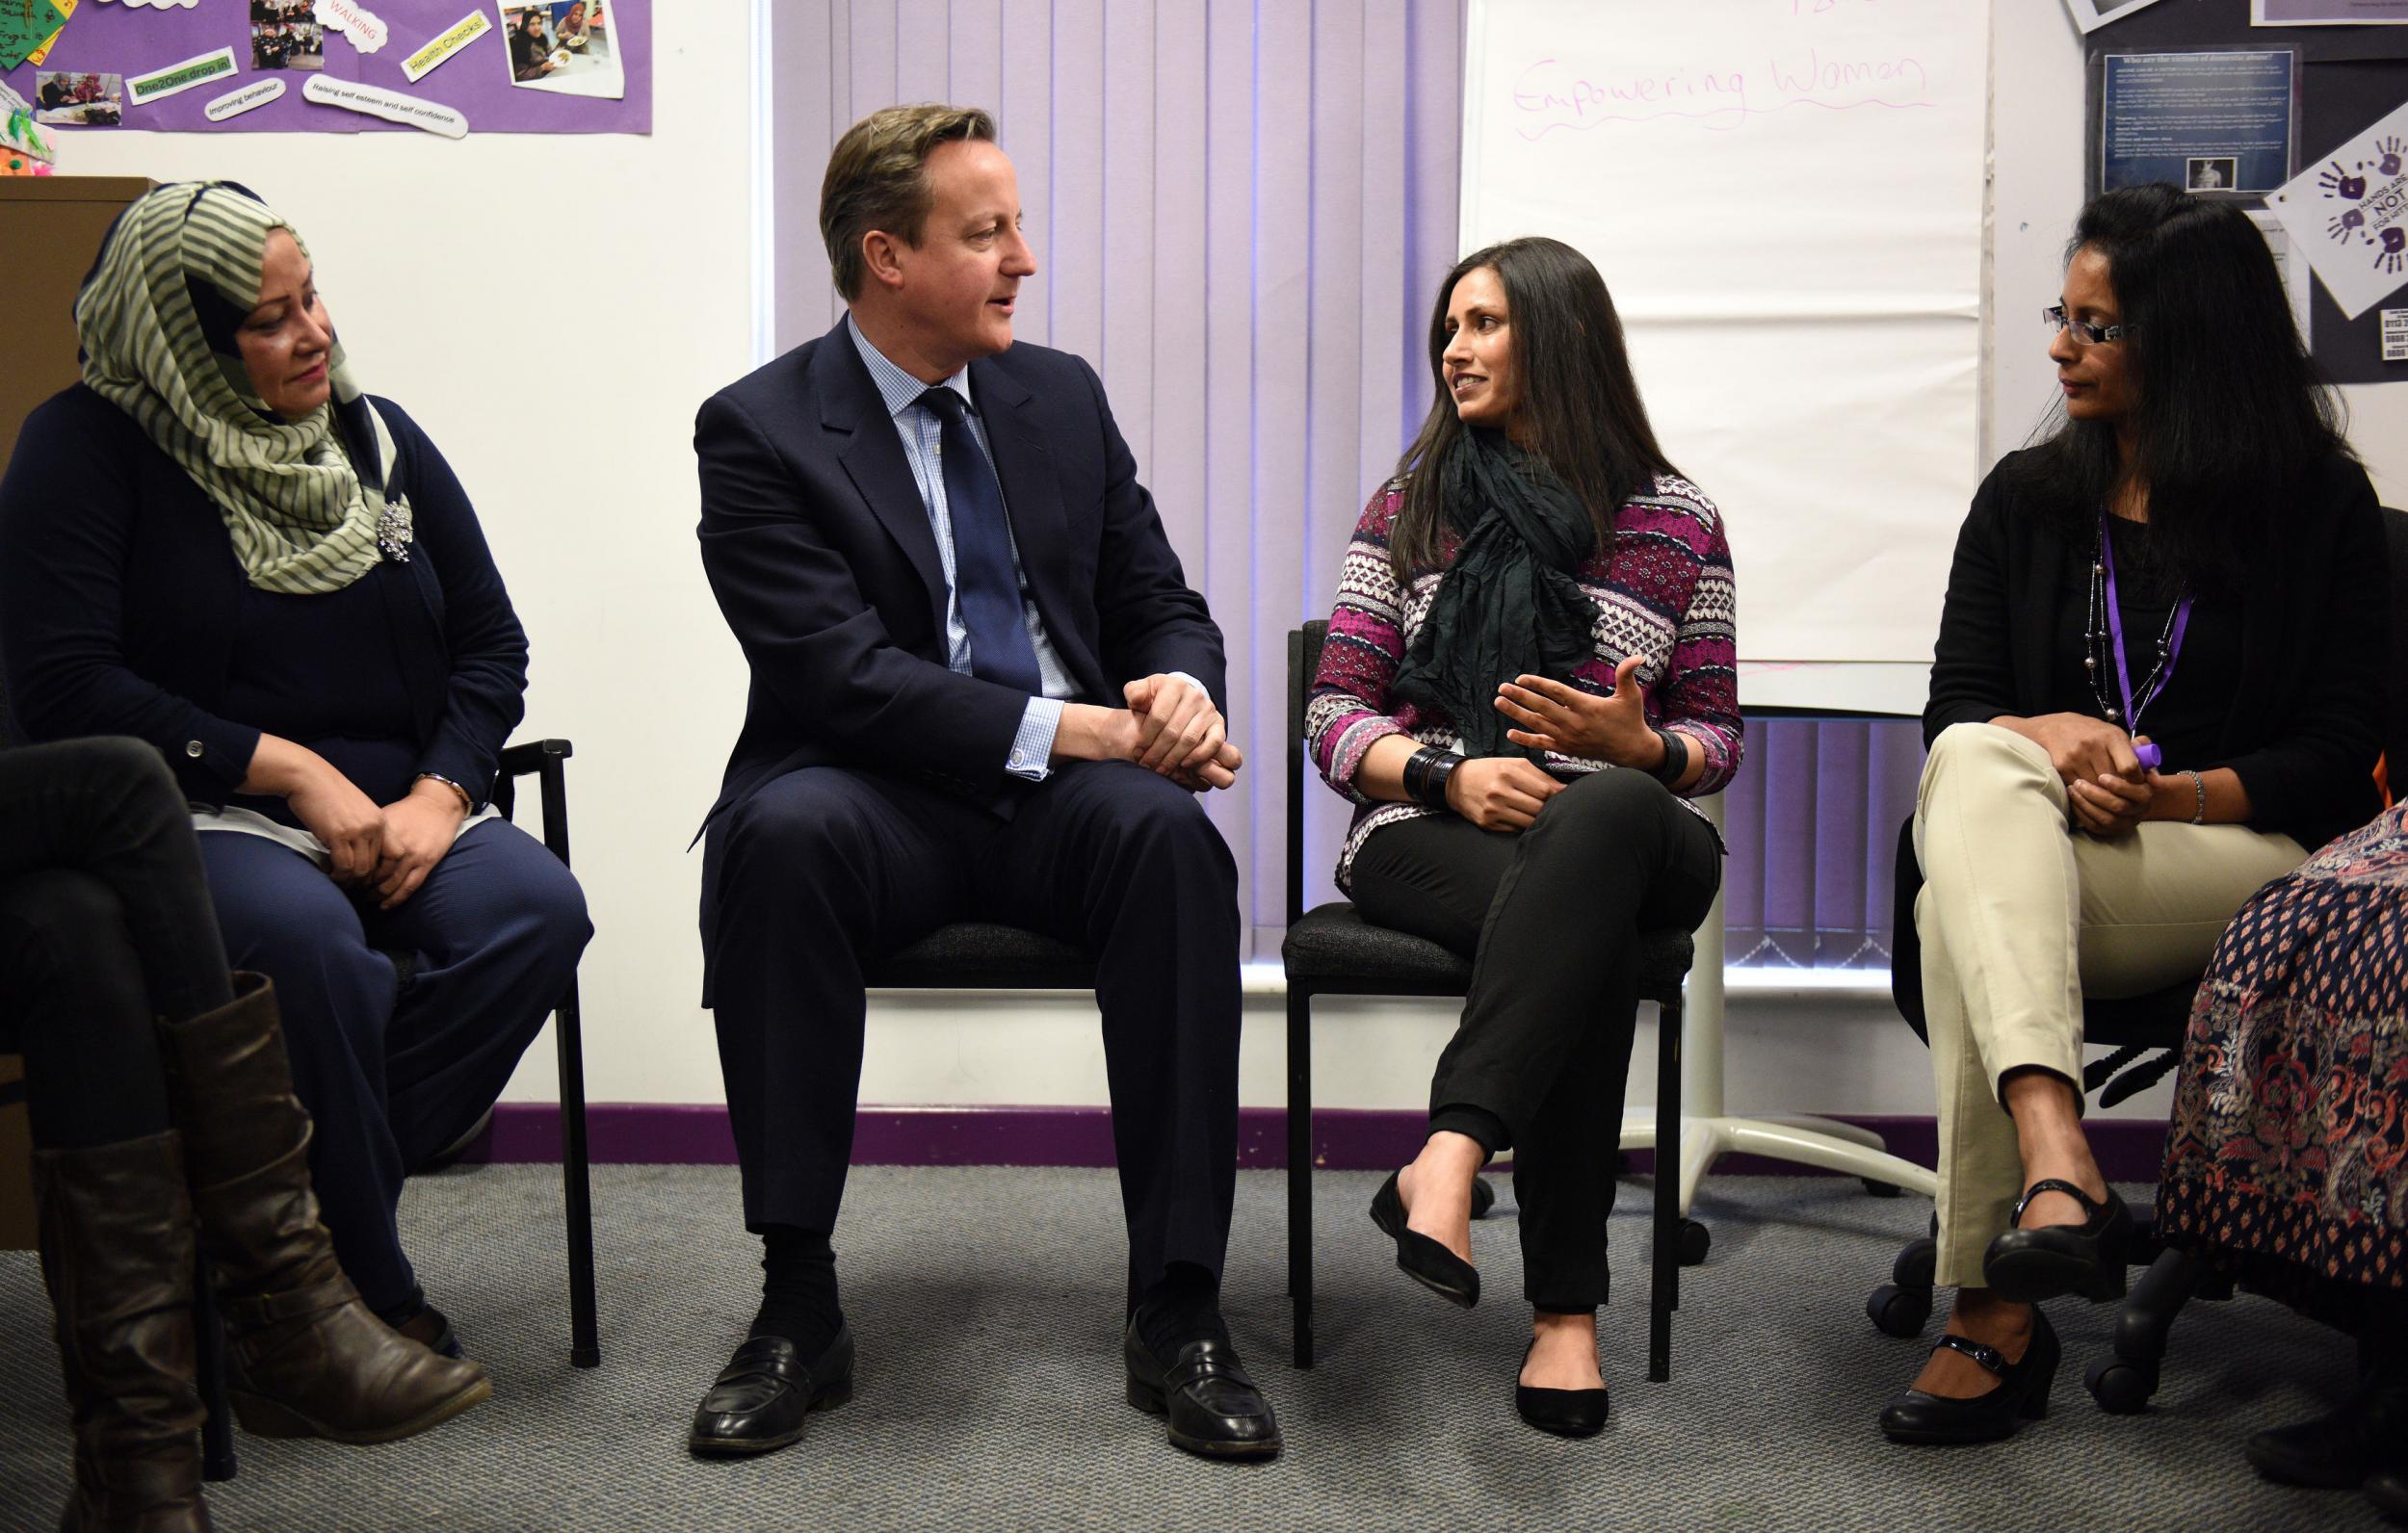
x,y
218,544
1529,674
158,1097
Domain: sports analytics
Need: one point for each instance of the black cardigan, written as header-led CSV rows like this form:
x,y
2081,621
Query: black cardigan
x,y
2305,724
119,594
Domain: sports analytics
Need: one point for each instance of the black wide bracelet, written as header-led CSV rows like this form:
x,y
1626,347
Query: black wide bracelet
x,y
1425,775
1675,763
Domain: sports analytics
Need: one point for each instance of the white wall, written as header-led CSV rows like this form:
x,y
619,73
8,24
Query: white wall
x,y
568,415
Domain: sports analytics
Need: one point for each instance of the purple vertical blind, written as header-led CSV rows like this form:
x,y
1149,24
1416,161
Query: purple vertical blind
x,y
1241,211
1812,824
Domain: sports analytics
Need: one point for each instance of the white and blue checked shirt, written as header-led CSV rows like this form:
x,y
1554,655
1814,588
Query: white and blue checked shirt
x,y
923,445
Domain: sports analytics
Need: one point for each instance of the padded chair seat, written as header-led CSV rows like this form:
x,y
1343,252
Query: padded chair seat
x,y
2156,1019
983,955
1334,942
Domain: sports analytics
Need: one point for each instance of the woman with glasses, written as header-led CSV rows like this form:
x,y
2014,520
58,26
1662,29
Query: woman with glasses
x,y
2155,687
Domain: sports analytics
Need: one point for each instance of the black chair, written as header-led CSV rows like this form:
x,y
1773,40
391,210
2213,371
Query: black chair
x,y
1332,951
2146,1035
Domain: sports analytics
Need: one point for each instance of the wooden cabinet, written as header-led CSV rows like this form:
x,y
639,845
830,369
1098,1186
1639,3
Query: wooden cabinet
x,y
51,227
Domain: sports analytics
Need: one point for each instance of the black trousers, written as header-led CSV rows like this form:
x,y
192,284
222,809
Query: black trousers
x,y
1551,920
105,924
827,869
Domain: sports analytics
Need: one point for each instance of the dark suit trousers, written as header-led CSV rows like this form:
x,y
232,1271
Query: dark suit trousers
x,y
826,869
1550,919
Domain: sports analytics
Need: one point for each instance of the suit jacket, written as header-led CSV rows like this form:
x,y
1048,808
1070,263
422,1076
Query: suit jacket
x,y
120,603
818,549
2307,705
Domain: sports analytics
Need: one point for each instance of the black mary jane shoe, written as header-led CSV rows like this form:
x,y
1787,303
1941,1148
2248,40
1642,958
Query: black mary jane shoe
x,y
1208,1402
2024,1266
2021,1395
1565,1412
761,1398
1423,1260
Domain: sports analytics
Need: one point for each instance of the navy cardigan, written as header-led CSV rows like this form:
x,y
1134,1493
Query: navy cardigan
x,y
2305,724
119,594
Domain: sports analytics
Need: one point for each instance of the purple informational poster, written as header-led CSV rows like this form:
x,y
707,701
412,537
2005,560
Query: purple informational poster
x,y
248,65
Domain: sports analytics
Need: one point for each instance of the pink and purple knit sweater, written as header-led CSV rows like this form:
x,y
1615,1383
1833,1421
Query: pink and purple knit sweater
x,y
1665,594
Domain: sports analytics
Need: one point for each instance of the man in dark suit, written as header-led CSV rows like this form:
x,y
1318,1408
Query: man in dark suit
x,y
980,689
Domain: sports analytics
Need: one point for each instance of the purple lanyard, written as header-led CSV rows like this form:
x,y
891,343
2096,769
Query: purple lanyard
x,y
2150,756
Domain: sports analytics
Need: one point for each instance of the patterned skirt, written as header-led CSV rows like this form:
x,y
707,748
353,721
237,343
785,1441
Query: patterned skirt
x,y
2286,1161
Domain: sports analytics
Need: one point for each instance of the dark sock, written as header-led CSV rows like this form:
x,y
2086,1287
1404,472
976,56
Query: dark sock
x,y
1184,1306
798,1289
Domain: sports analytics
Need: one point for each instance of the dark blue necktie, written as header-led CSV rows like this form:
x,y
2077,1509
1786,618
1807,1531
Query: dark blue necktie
x,y
984,583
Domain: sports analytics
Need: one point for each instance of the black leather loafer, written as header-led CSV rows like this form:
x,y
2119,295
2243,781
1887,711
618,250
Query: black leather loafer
x,y
1565,1412
2021,1395
2338,1450
1210,1405
1420,1258
760,1399
2024,1266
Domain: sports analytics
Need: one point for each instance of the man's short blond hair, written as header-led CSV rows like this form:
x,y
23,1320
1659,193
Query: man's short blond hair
x,y
878,179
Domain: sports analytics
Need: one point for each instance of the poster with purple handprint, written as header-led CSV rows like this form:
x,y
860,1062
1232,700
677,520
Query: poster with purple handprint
x,y
2349,212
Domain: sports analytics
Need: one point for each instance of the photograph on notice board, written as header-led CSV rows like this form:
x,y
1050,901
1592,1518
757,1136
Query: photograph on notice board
x,y
564,46
286,34
79,101
2206,119
2092,14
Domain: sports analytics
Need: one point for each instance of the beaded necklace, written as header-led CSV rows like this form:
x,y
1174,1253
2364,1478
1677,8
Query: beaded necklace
x,y
2102,636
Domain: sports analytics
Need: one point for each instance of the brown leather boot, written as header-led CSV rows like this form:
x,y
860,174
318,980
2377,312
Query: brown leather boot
x,y
116,1251
305,1358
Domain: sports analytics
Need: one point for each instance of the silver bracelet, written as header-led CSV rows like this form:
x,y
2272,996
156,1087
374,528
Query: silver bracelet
x,y
2201,789
467,800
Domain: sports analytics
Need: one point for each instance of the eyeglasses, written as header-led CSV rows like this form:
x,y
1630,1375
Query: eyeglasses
x,y
2055,319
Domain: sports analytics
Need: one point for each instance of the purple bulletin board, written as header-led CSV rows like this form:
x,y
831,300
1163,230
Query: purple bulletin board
x,y
115,40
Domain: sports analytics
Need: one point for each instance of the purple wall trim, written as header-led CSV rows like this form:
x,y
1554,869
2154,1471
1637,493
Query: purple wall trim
x,y
1346,1139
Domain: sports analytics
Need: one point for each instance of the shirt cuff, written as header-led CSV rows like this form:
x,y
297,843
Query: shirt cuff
x,y
1192,681
1033,745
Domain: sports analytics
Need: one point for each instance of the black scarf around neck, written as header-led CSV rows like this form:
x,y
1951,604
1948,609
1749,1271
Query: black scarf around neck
x,y
1508,604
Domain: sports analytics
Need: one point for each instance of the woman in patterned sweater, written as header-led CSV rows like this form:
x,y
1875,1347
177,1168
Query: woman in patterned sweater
x,y
1536,600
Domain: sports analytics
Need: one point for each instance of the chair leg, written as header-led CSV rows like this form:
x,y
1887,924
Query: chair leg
x,y
1300,1170
585,1348
2123,1384
217,1427
1664,1293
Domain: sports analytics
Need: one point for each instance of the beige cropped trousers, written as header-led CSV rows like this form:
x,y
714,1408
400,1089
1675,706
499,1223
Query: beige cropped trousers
x,y
2020,917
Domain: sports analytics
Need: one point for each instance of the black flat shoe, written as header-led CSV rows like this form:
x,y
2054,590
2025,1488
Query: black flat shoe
x,y
2024,1266
2021,1395
760,1399
1211,1406
1565,1412
2335,1451
1423,1260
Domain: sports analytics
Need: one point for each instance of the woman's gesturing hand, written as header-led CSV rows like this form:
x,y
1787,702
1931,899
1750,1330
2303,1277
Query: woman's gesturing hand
x,y
418,830
331,808
1500,792
2081,746
1550,715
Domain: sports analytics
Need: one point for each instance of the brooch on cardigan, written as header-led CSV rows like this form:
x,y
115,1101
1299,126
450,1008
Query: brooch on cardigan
x,y
394,533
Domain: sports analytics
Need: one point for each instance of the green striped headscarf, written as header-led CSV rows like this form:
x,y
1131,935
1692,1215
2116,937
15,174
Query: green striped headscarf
x,y
304,520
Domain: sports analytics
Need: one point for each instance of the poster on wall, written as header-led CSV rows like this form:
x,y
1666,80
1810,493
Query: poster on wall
x,y
448,63
2349,212
2209,120
2328,13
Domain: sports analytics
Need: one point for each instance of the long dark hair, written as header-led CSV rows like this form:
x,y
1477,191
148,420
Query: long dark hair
x,y
2231,418
1579,398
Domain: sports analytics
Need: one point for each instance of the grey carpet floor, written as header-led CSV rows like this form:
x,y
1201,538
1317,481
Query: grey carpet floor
x,y
987,1305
